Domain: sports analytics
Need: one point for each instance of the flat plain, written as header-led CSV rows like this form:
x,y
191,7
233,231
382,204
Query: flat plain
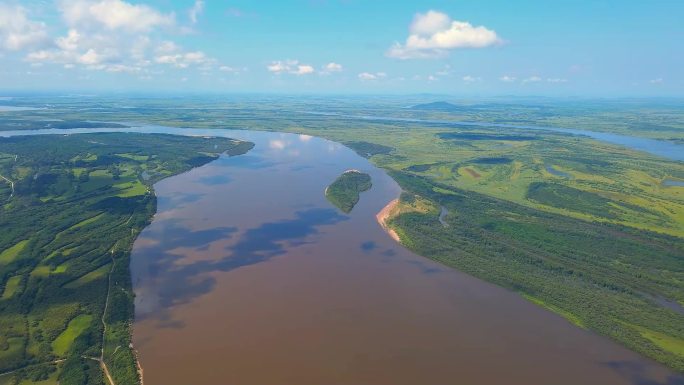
x,y
587,229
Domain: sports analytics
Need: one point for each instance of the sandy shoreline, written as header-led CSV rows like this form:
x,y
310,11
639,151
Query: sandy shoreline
x,y
384,215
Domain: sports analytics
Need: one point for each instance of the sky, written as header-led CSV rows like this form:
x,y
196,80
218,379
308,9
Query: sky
x,y
461,47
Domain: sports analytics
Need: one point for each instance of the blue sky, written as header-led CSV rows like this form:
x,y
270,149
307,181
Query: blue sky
x,y
565,47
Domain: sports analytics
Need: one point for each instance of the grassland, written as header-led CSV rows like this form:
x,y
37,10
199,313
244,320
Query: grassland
x,y
81,201
10,254
345,191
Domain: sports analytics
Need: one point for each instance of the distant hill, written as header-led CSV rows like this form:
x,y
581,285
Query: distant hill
x,y
437,106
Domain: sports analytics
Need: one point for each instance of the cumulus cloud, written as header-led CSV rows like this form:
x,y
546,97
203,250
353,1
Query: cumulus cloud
x,y
371,76
332,67
94,51
656,81
118,36
17,31
170,53
508,79
433,34
113,15
557,80
293,67
196,10
304,70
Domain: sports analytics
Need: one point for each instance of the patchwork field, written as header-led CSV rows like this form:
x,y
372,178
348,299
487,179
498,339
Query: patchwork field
x,y
82,200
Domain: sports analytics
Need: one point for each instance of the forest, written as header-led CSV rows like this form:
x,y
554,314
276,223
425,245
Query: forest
x,y
78,203
345,191
609,278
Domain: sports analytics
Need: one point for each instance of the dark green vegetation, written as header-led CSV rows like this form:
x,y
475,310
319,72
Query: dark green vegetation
x,y
569,198
367,150
79,203
599,276
344,191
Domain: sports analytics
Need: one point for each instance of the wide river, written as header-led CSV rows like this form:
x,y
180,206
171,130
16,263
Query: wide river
x,y
248,276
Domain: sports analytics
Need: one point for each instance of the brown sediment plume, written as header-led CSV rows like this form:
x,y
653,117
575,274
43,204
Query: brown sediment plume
x,y
384,215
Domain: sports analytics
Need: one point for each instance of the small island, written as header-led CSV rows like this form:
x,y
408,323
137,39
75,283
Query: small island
x,y
344,191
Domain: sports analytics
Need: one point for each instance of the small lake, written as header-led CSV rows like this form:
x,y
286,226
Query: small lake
x,y
673,183
248,275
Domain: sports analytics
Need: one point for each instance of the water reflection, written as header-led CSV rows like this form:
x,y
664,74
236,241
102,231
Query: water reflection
x,y
259,280
173,277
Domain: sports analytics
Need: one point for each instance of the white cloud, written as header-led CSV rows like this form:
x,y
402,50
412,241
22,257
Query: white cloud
x,y
656,81
333,67
532,79
434,34
371,76
508,79
113,15
17,31
277,67
429,23
90,58
293,67
196,10
181,59
471,79
117,36
304,69
557,80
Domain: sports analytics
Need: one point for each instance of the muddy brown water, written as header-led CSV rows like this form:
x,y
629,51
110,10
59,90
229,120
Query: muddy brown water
x,y
248,276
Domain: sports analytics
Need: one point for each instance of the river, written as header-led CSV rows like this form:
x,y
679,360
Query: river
x,y
247,275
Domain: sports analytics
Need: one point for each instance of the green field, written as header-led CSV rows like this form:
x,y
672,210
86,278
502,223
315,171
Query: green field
x,y
12,286
344,192
76,327
11,253
83,199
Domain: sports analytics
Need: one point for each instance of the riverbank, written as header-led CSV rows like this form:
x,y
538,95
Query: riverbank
x,y
385,215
